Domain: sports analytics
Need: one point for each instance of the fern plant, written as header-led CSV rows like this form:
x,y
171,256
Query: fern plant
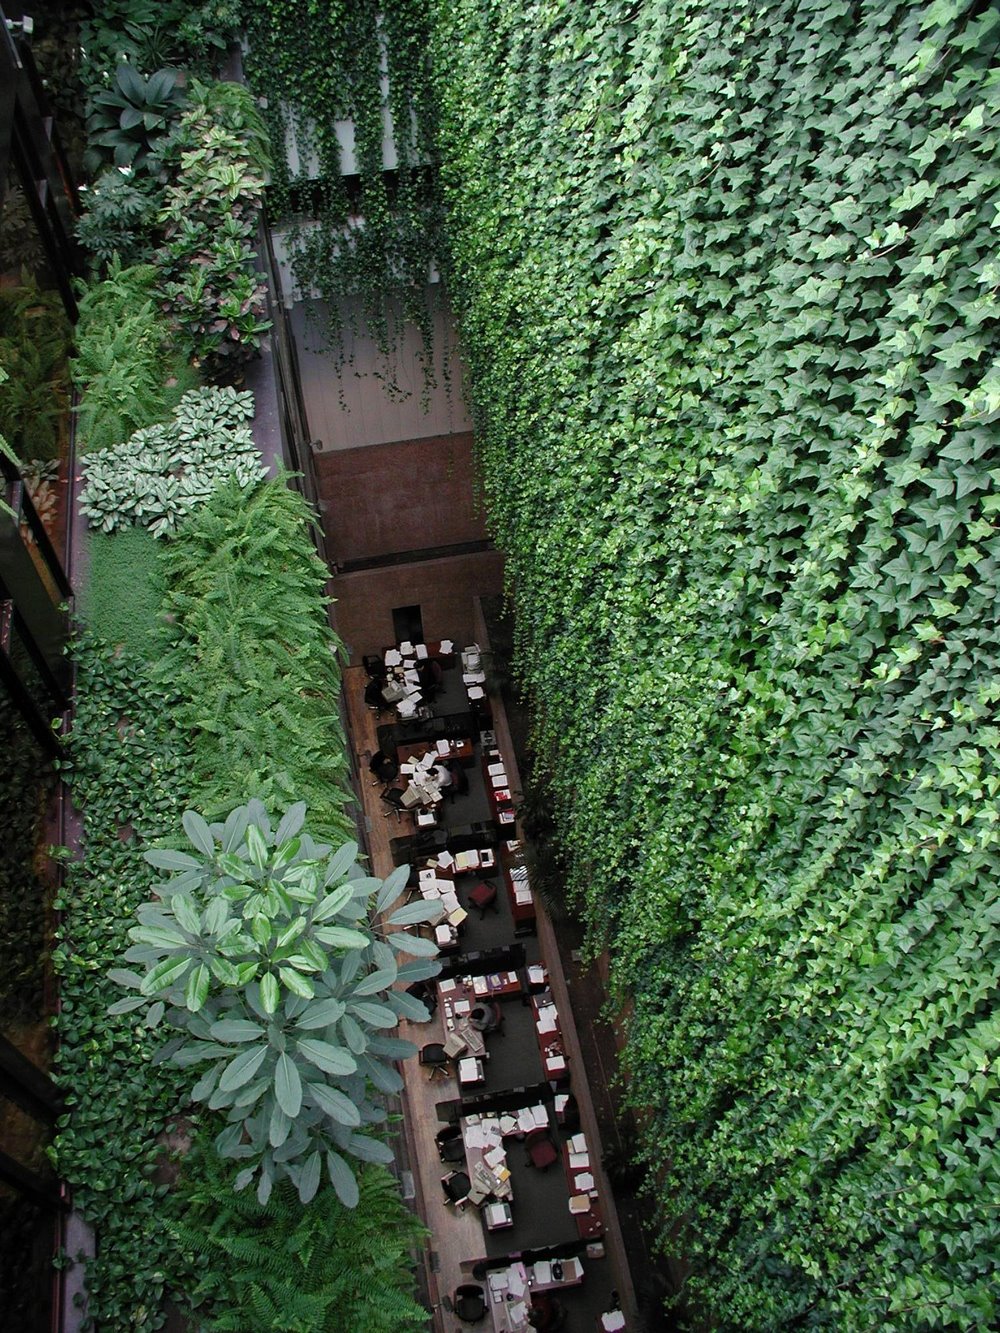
x,y
288,1269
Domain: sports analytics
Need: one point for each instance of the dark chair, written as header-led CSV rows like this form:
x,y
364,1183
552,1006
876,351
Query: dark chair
x,y
433,1055
546,1314
483,897
459,780
542,1152
394,797
450,1145
469,1303
375,668
456,1186
426,993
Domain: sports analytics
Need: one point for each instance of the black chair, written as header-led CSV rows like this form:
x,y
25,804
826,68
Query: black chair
x,y
375,699
375,668
450,1145
434,1056
456,1186
469,1303
426,993
394,797
459,780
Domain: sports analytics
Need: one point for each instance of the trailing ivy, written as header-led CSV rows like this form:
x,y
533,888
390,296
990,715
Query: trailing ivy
x,y
314,66
728,291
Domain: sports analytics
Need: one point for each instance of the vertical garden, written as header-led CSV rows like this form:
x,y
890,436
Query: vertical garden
x,y
728,287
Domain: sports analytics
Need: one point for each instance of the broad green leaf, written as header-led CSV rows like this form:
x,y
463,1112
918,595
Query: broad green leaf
x,y
288,1086
404,942
339,863
334,1104
340,937
377,1015
236,1029
297,983
332,904
413,912
375,981
165,974
331,1059
270,992
242,1068
392,888
196,990
320,1014
199,834
167,859
290,823
309,1177
342,1179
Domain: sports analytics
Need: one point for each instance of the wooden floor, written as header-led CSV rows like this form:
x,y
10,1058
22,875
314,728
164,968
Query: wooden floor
x,y
457,1240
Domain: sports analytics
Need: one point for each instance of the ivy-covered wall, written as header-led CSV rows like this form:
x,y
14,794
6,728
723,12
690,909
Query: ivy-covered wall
x,y
727,279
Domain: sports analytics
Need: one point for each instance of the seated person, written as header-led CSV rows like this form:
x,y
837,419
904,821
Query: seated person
x,y
383,766
429,676
373,694
546,1313
442,776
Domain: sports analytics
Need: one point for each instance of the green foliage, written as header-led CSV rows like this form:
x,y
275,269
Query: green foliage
x,y
151,34
121,601
128,779
285,1269
25,786
34,342
262,950
119,218
727,282
127,120
127,368
162,473
249,647
208,222
315,66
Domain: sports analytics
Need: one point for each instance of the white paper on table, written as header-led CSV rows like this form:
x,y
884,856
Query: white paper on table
x,y
393,658
547,1020
445,860
427,875
578,1143
421,650
479,986
583,1182
579,1160
476,692
508,1124
556,1062
474,1136
499,779
406,708
498,1281
443,747
494,768
447,985
612,1321
494,1158
449,899
541,1117
410,674
406,647
543,1271
443,934
447,646
516,1280
525,1120
462,1006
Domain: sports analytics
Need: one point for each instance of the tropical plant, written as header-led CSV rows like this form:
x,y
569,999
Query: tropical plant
x,y
250,653
126,121
263,951
163,472
120,218
282,1268
209,286
128,367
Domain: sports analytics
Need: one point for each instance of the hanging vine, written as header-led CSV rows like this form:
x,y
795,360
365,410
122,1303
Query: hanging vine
x,y
362,243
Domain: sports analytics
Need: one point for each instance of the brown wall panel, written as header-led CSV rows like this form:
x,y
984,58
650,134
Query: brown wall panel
x,y
443,589
413,495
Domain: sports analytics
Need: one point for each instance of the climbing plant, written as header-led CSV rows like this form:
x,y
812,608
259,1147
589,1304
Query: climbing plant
x,y
362,228
728,291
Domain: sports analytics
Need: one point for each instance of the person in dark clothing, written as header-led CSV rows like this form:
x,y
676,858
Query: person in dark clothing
x,y
384,767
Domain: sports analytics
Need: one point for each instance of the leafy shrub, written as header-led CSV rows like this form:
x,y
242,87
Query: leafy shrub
x,y
163,472
128,369
249,649
263,947
325,1268
209,216
122,598
34,342
119,218
128,120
